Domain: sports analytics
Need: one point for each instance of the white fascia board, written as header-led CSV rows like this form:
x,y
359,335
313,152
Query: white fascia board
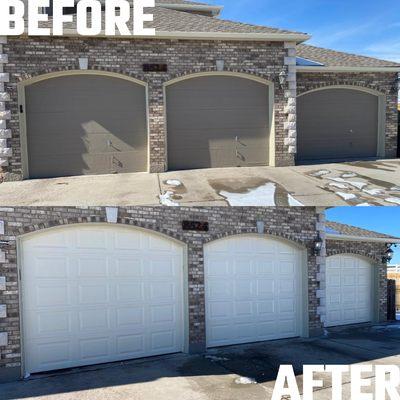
x,y
215,10
262,37
348,238
346,69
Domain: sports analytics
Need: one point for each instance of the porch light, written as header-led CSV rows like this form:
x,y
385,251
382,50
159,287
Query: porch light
x,y
388,254
220,65
282,78
83,63
396,84
260,227
318,246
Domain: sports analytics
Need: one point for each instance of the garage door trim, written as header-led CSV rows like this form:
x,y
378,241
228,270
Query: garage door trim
x,y
22,103
381,110
185,283
303,306
374,283
271,95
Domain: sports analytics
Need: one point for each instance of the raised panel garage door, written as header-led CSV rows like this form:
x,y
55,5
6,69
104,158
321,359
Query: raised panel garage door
x,y
337,124
217,121
99,294
253,290
85,124
349,295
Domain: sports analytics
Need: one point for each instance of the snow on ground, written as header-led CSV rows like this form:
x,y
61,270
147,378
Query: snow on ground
x,y
373,192
338,185
262,196
173,182
358,185
293,202
393,200
346,196
243,380
322,172
165,199
349,175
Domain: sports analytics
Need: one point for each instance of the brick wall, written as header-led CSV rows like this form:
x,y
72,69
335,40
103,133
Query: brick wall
x,y
374,252
381,82
297,224
29,57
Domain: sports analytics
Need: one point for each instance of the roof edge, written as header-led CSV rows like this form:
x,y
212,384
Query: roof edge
x,y
231,36
347,69
349,238
214,10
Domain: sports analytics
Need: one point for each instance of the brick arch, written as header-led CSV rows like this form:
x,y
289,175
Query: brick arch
x,y
346,83
34,228
246,231
63,71
335,252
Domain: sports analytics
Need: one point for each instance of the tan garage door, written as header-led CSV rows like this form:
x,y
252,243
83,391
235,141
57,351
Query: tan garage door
x,y
85,124
217,121
337,124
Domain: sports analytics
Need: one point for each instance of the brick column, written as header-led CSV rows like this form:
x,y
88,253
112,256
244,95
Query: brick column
x,y
5,114
290,97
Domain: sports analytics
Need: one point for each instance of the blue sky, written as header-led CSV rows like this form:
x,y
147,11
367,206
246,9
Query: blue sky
x,y
364,27
380,219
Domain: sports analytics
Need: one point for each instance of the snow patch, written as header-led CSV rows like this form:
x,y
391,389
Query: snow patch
x,y
364,205
346,196
216,358
243,380
165,199
339,185
348,175
395,189
173,182
393,200
322,172
293,202
358,185
373,192
262,196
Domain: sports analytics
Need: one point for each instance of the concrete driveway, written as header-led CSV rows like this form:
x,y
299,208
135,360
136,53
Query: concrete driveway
x,y
357,183
236,372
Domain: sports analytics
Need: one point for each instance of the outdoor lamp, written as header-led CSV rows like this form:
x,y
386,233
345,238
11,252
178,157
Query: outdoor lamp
x,y
396,84
318,246
388,254
282,78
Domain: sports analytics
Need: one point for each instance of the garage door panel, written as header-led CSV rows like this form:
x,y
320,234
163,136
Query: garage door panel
x,y
203,123
337,124
264,303
349,290
78,131
92,317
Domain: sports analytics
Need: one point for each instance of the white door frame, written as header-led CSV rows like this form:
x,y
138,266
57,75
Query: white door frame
x,y
303,306
185,276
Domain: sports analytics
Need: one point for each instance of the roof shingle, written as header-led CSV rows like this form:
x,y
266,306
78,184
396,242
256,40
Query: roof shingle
x,y
343,229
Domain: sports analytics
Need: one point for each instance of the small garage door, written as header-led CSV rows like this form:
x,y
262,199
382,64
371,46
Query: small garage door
x,y
99,294
253,290
217,121
337,124
349,294
85,124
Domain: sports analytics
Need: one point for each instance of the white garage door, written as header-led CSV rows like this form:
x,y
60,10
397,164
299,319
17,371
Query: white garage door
x,y
94,294
253,290
349,295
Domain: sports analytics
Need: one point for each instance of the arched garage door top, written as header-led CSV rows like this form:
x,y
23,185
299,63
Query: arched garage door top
x,y
81,123
218,120
339,123
97,293
349,290
253,290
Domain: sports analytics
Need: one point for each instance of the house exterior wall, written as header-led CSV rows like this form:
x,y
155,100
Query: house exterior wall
x,y
31,56
381,82
297,224
374,252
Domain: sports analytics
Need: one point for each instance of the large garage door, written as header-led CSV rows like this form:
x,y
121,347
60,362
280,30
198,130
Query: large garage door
x,y
337,124
217,121
253,290
85,124
349,295
99,294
